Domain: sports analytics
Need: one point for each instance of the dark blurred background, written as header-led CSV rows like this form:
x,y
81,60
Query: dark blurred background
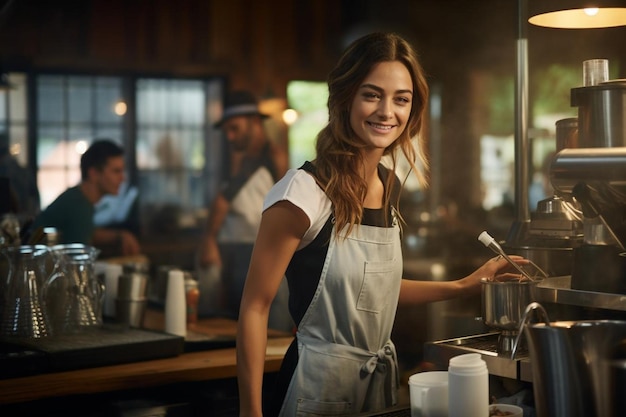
x,y
151,74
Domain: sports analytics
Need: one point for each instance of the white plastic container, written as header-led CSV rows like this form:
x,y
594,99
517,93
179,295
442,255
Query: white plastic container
x,y
428,393
468,386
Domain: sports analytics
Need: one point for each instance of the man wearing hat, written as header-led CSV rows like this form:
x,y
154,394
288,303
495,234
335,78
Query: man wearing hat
x,y
235,214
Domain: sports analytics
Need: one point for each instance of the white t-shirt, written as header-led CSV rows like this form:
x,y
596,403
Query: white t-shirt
x,y
241,224
299,188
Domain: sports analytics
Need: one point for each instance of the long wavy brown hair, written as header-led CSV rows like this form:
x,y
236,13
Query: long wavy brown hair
x,y
339,161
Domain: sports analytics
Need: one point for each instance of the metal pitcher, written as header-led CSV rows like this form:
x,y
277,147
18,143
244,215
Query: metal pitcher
x,y
573,365
25,272
75,295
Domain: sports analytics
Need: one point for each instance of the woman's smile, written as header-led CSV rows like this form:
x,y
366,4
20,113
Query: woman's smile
x,y
378,126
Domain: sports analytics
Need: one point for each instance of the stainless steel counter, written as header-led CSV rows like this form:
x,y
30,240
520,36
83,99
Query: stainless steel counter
x,y
558,290
551,290
440,352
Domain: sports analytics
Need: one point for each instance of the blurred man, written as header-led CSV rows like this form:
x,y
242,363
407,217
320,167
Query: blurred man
x,y
235,214
22,195
72,213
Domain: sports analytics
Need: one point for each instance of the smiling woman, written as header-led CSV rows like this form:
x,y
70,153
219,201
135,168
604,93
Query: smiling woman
x,y
332,228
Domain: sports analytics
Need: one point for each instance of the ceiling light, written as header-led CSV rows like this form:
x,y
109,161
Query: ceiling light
x,y
585,14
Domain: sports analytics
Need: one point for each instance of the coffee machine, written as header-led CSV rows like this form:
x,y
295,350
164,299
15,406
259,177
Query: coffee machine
x,y
580,227
577,236
593,174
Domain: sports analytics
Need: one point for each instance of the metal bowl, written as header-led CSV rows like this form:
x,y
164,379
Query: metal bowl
x,y
503,306
504,303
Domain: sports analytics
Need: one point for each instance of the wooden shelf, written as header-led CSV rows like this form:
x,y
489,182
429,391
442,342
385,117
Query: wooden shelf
x,y
188,367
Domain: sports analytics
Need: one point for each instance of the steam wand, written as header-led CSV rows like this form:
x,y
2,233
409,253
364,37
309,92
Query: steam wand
x,y
487,240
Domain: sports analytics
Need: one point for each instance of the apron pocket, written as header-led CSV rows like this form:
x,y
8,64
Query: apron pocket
x,y
310,408
374,293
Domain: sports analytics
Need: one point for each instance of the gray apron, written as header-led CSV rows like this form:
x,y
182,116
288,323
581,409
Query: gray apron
x,y
346,361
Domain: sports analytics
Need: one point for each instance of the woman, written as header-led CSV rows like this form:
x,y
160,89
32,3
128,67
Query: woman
x,y
332,228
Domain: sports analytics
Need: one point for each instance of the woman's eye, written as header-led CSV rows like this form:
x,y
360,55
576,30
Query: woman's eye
x,y
403,100
371,96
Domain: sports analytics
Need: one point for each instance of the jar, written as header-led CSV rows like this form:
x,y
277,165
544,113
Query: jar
x,y
192,295
468,386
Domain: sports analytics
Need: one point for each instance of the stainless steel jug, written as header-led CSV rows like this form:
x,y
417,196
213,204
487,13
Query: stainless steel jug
x,y
572,365
25,274
503,305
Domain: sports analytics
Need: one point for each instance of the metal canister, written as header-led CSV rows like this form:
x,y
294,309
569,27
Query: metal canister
x,y
567,133
601,114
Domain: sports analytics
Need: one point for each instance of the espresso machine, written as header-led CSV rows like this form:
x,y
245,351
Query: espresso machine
x,y
577,236
581,229
593,174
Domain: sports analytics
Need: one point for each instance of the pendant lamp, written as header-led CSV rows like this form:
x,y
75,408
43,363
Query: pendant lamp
x,y
577,14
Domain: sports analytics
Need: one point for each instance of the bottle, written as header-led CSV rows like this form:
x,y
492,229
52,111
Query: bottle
x,y
192,295
468,386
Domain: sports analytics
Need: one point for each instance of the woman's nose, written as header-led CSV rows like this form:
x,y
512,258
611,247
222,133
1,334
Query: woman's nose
x,y
385,110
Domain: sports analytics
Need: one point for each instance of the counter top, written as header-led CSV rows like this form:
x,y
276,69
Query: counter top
x,y
558,290
439,353
195,366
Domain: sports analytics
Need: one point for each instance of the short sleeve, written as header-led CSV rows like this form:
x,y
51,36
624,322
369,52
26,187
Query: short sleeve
x,y
299,188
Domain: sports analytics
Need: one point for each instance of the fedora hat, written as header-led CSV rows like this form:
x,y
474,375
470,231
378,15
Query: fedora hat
x,y
239,103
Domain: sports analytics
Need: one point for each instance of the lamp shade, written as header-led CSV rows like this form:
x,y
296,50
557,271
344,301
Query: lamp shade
x,y
577,14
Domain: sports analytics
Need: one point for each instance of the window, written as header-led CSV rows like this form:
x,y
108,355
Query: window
x,y
13,116
174,139
173,154
551,102
72,111
309,99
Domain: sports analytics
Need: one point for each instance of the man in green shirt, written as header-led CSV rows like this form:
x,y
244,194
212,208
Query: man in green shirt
x,y
102,172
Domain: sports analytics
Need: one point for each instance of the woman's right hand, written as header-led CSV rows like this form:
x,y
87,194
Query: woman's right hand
x,y
497,266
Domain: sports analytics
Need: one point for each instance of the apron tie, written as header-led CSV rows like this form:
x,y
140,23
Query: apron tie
x,y
387,356
384,355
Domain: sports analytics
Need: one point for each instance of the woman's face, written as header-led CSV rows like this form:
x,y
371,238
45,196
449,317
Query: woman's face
x,y
382,105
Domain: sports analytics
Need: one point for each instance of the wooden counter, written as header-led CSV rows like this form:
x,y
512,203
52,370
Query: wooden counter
x,y
188,367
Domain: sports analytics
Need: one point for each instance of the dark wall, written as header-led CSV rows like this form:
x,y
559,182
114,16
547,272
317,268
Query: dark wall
x,y
255,44
261,45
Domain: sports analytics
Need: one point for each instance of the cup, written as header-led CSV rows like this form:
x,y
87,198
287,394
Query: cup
x,y
130,312
428,393
595,71
175,304
109,273
131,301
132,286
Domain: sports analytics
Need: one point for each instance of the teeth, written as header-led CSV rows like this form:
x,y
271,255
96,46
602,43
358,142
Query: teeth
x,y
377,126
